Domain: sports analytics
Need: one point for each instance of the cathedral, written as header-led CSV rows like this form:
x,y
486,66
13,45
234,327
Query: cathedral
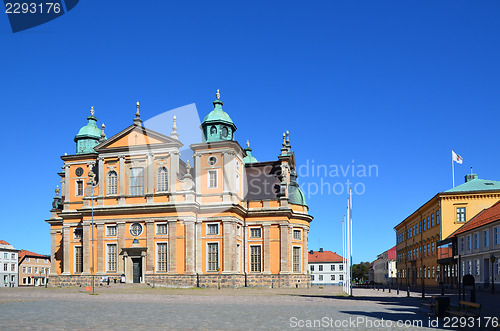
x,y
130,210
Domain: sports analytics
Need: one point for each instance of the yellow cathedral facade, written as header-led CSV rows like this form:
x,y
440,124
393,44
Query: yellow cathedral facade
x,y
129,208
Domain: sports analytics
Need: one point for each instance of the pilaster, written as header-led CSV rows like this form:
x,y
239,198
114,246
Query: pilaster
x,y
189,240
227,250
198,248
53,250
120,228
150,243
267,248
66,251
284,249
150,178
172,246
67,180
86,248
100,249
102,181
305,250
174,170
122,175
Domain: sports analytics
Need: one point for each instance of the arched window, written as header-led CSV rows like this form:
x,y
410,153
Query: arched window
x,y
112,183
162,179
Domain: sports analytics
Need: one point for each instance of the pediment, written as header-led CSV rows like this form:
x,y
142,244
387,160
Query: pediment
x,y
136,136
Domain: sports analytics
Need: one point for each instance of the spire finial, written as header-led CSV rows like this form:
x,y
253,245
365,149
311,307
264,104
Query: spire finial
x,y
217,94
57,191
287,137
174,133
137,119
92,110
248,143
284,141
103,135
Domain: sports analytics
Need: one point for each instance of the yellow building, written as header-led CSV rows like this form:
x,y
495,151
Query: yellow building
x,y
227,220
418,235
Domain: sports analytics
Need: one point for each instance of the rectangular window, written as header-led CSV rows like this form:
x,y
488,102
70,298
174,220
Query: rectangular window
x,y
79,188
162,228
297,234
320,277
341,267
255,258
25,281
27,259
212,229
333,277
162,257
112,257
36,260
428,223
255,233
78,233
332,267
237,182
497,235
112,183
111,231
29,270
13,267
24,270
36,270
469,242
238,231
213,256
320,267
312,277
432,219
296,259
486,238
424,225
462,244
13,256
78,259
212,179
312,268
341,277
437,217
6,256
477,266
136,181
461,214
476,240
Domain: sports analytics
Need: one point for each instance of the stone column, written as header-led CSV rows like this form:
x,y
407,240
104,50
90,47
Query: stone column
x,y
189,240
174,169
66,194
227,262
150,244
198,250
99,246
122,176
267,248
53,250
66,248
284,249
86,248
172,246
305,250
120,227
102,180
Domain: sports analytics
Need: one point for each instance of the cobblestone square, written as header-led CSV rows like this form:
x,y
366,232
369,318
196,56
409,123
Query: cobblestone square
x,y
140,307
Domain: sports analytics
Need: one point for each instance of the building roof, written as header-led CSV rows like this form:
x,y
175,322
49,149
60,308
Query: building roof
x,y
475,185
3,242
324,256
23,253
484,217
392,254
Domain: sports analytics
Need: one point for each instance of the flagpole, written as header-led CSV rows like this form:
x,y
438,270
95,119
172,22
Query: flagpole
x,y
347,248
343,253
350,233
453,168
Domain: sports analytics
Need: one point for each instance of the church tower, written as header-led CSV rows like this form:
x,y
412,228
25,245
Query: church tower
x,y
89,136
217,125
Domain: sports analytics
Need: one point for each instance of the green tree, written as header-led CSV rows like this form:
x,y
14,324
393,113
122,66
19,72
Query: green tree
x,y
360,271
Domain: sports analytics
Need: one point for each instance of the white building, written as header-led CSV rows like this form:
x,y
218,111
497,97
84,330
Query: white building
x,y
478,245
8,265
384,267
325,268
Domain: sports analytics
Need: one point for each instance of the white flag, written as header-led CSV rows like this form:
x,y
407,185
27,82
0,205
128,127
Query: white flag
x,y
457,158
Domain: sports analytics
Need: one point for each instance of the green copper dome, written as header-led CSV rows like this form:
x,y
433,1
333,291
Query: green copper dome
x,y
217,125
88,136
295,194
249,158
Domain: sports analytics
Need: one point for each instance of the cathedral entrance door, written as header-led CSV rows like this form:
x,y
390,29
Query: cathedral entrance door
x,y
137,270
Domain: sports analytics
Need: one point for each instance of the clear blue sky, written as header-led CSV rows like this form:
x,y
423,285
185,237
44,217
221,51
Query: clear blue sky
x,y
396,84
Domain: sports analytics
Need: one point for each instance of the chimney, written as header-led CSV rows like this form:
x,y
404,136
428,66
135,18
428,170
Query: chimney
x,y
311,252
470,177
321,249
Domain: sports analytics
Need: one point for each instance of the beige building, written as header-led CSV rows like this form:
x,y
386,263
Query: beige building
x,y
418,235
33,268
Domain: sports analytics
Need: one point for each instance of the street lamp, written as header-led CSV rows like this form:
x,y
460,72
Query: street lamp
x,y
89,191
492,259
